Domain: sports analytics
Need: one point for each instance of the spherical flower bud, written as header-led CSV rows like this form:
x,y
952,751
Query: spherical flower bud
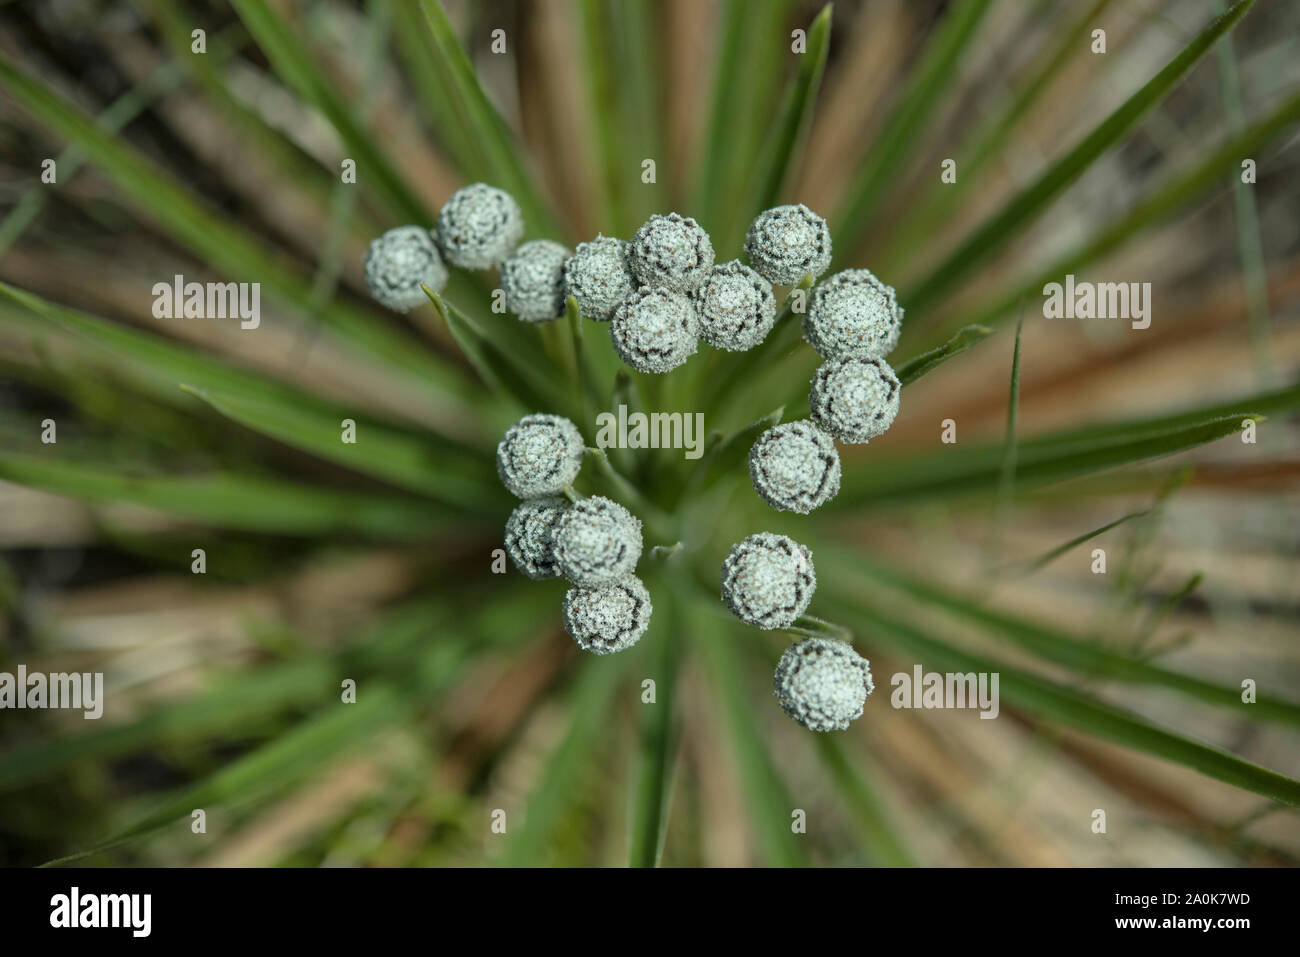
x,y
855,399
786,243
598,277
398,262
530,538
655,330
794,467
540,455
767,580
533,280
736,307
479,226
823,683
608,618
597,542
671,252
853,314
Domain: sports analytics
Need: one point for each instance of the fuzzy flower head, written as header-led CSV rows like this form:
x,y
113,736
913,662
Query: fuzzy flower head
x,y
855,399
597,542
533,280
530,540
794,467
671,252
853,314
607,618
786,243
768,580
479,226
655,330
736,307
540,456
598,277
398,262
822,683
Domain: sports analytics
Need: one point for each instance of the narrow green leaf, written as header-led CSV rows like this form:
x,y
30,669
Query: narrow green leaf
x,y
227,248
567,763
448,80
229,501
1052,554
927,215
1054,458
1077,710
404,460
530,383
879,834
963,339
1181,190
744,83
896,139
769,804
1071,651
335,730
785,140
657,748
296,65
1025,206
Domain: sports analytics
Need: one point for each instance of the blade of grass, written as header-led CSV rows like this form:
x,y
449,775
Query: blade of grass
x,y
1181,190
447,76
1076,710
404,460
940,199
529,382
295,64
527,845
879,834
229,249
657,748
744,84
931,78
769,806
1070,651
996,231
963,339
230,501
1060,456
784,143
1250,245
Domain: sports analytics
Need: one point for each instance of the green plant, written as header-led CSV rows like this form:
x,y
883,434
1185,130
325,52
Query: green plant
x,y
372,560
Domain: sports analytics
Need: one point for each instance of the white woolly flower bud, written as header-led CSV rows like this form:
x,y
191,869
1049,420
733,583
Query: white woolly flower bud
x,y
533,280
671,252
794,467
768,580
598,277
822,683
530,540
609,618
479,226
855,399
736,307
398,262
540,455
853,314
655,330
786,243
597,542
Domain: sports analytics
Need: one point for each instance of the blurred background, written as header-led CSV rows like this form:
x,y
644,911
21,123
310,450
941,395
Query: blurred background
x,y
223,688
